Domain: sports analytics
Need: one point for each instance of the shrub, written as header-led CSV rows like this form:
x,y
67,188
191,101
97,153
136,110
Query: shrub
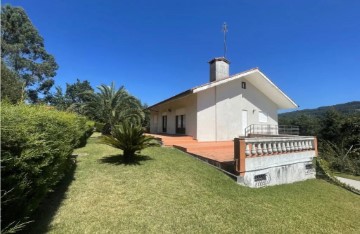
x,y
99,126
130,138
88,129
36,147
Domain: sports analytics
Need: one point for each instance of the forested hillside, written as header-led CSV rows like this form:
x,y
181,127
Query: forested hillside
x,y
344,108
338,131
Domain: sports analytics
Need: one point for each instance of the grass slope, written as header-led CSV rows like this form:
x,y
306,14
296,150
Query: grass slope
x,y
170,192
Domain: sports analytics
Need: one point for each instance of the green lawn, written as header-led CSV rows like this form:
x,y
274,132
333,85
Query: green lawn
x,y
169,191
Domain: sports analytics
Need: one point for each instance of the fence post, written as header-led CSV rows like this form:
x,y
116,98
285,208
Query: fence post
x,y
239,155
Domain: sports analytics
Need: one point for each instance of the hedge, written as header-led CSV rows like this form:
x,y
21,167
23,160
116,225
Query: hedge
x,y
99,126
36,147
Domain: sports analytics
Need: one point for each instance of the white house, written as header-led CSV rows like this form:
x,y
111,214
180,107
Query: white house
x,y
221,109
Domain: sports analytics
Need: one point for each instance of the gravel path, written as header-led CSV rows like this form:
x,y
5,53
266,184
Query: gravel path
x,y
353,183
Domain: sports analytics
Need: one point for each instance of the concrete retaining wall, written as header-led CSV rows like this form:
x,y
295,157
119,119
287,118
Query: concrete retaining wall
x,y
278,169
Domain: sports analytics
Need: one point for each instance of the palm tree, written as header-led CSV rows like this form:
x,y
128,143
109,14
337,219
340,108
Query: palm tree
x,y
111,107
130,138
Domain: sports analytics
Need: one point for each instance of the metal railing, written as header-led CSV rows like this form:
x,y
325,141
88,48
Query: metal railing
x,y
289,130
267,129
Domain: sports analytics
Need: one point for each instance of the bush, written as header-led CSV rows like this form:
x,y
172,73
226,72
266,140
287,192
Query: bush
x,y
99,126
130,138
87,131
36,147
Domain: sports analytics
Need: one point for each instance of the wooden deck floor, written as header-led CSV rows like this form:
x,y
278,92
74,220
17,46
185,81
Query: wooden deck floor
x,y
221,151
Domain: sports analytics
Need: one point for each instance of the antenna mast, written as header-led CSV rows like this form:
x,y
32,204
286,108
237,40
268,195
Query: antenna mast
x,y
225,30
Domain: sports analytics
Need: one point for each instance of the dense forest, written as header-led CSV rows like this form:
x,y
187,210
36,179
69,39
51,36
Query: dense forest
x,y
344,108
338,130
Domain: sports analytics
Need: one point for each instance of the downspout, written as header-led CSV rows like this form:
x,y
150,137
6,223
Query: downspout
x,y
216,137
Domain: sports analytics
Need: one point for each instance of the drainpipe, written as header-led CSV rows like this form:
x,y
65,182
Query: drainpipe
x,y
216,137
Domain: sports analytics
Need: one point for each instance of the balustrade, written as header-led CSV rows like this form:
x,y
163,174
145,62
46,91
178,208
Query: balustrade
x,y
277,145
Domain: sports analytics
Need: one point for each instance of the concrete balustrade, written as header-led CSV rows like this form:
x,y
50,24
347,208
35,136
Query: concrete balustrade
x,y
265,161
277,145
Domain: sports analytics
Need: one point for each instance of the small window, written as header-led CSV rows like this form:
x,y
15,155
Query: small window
x,y
309,166
260,177
243,85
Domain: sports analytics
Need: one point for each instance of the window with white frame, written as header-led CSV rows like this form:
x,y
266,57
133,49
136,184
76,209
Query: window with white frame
x,y
263,117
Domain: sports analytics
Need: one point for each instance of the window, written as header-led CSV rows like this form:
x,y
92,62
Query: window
x,y
243,85
180,124
260,177
164,123
263,117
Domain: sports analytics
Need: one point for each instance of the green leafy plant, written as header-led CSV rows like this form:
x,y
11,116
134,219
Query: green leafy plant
x,y
36,147
112,106
323,172
130,138
24,55
341,157
99,126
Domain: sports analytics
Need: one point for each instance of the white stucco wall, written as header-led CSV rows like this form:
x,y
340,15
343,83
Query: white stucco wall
x,y
215,114
255,101
279,169
206,130
219,110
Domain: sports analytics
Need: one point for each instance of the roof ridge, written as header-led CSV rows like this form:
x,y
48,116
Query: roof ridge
x,y
215,81
191,90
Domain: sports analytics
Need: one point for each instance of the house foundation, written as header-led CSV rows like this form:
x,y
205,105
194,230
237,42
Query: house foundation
x,y
271,161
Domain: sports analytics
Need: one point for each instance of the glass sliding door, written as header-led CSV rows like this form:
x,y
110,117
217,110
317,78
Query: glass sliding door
x,y
164,123
180,124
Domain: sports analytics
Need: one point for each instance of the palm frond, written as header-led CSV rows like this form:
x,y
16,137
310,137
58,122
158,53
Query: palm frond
x,y
130,138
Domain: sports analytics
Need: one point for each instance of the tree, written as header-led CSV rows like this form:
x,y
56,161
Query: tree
x,y
146,121
111,107
331,126
340,142
23,52
309,126
58,99
75,93
130,138
11,85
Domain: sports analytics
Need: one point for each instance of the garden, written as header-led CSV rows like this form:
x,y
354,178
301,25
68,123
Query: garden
x,y
167,191
78,161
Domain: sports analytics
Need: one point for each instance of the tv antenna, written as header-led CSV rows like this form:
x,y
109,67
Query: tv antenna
x,y
225,30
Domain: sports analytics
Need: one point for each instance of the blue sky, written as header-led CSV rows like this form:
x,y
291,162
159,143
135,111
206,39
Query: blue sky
x,y
156,49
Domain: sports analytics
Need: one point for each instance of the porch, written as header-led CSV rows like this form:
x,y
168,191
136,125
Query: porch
x,y
221,151
254,161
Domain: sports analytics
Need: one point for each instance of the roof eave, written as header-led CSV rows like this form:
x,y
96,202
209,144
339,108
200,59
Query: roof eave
x,y
177,96
291,104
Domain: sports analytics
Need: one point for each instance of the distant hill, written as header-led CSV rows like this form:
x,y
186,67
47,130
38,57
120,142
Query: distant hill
x,y
345,108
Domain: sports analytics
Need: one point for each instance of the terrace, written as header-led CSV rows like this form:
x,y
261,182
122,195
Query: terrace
x,y
268,155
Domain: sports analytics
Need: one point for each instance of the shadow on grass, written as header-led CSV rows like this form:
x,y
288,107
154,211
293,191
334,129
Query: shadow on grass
x,y
44,215
118,159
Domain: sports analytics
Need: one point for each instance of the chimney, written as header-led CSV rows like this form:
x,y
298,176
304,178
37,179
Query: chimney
x,y
219,69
